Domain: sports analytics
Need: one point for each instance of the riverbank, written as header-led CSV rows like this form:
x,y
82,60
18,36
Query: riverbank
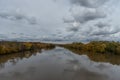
x,y
98,51
102,47
7,47
99,47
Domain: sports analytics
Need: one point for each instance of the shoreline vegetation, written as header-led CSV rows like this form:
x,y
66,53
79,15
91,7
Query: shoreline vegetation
x,y
100,47
99,51
7,47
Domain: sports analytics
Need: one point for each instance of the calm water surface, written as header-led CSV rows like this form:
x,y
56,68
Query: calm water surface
x,y
56,64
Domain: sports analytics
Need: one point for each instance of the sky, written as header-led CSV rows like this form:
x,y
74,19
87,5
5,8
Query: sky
x,y
60,20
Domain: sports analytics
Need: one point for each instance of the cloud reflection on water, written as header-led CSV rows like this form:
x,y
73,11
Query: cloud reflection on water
x,y
59,64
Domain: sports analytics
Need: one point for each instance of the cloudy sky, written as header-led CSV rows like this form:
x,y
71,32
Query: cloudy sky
x,y
60,20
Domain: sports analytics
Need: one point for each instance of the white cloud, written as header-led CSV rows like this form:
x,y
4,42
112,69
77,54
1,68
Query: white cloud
x,y
81,20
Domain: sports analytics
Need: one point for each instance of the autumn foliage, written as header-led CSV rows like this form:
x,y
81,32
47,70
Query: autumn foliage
x,y
109,47
13,47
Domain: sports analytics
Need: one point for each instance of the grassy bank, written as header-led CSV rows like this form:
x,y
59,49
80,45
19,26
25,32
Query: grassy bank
x,y
106,47
101,51
7,47
98,51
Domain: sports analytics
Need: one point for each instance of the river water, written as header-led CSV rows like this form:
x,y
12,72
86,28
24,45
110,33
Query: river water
x,y
55,64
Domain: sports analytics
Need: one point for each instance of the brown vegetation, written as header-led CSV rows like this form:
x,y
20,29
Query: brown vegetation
x,y
14,47
96,47
100,51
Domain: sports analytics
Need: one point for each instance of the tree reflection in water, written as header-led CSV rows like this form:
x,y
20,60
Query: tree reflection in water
x,y
16,57
56,64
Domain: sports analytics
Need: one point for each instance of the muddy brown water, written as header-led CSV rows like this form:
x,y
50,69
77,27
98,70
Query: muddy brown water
x,y
55,64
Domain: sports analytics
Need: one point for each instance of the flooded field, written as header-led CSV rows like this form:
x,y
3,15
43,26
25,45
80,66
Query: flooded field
x,y
55,64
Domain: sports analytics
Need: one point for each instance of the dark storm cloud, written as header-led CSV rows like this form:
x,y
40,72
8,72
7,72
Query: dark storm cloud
x,y
102,25
89,3
88,16
18,17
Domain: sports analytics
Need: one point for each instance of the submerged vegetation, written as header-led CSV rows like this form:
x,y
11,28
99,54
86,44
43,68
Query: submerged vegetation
x,y
7,47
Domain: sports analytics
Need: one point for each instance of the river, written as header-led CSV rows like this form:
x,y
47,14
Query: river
x,y
55,64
